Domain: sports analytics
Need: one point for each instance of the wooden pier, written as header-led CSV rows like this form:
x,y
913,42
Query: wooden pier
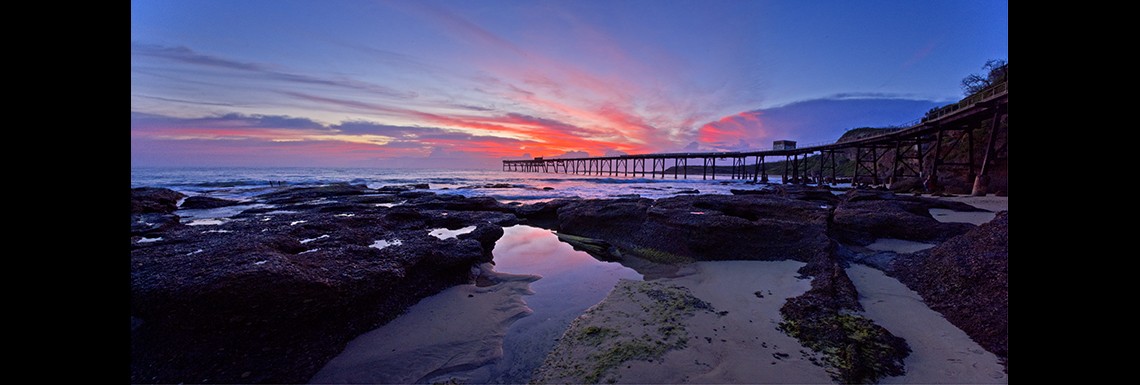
x,y
940,131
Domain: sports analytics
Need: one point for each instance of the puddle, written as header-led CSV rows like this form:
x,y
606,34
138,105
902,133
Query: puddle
x,y
307,240
445,233
381,244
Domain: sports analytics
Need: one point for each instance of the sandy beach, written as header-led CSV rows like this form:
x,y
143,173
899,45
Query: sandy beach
x,y
900,246
734,340
940,352
989,202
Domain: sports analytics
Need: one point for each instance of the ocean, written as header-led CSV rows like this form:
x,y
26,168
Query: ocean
x,y
525,187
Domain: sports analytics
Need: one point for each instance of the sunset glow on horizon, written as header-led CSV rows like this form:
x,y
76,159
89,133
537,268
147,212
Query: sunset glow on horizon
x,y
465,84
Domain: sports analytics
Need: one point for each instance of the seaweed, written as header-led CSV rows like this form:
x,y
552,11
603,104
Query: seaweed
x,y
855,349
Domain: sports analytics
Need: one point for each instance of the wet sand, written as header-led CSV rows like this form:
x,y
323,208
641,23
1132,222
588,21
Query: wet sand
x,y
734,342
458,329
900,246
572,281
941,353
992,203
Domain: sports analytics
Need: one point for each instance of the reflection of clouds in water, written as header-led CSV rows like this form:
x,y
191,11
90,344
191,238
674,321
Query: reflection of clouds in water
x,y
572,282
531,250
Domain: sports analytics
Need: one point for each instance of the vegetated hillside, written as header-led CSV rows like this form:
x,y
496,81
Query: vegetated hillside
x,y
864,132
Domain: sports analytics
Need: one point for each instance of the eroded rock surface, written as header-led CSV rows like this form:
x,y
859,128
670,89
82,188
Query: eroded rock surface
x,y
270,295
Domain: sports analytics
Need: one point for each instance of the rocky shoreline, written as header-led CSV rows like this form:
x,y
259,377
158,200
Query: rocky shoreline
x,y
966,279
273,293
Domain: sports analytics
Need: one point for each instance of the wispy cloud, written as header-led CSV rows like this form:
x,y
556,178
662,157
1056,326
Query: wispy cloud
x,y
198,102
143,121
188,56
546,104
387,140
462,27
872,95
552,80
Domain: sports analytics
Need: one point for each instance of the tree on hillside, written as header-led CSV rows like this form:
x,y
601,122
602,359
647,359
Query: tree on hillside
x,y
995,73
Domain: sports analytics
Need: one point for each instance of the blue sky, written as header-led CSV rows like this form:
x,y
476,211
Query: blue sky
x,y
365,83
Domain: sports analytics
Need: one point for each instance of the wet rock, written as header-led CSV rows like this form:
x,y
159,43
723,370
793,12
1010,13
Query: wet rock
x,y
414,194
854,348
489,185
152,210
862,216
487,234
609,219
457,203
302,194
403,187
370,199
148,223
703,227
906,185
724,227
822,196
542,214
879,259
279,295
201,202
764,190
154,200
597,248
797,192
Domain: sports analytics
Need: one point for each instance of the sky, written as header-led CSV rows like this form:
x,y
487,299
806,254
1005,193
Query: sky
x,y
465,84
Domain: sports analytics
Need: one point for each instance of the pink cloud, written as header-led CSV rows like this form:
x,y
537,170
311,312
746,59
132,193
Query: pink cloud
x,y
731,130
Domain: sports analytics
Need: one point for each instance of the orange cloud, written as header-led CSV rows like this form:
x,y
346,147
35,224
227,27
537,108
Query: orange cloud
x,y
731,129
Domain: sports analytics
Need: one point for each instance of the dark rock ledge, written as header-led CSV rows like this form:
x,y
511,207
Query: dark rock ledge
x,y
272,294
270,297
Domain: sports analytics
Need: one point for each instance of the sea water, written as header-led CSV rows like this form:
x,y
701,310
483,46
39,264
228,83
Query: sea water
x,y
525,187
